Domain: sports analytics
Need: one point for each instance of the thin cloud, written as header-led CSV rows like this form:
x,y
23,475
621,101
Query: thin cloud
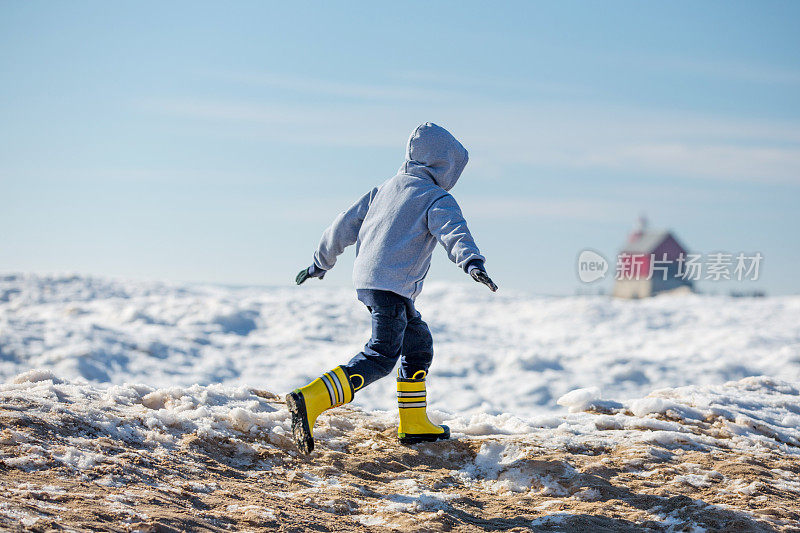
x,y
311,125
361,91
727,70
648,141
514,208
740,163
493,84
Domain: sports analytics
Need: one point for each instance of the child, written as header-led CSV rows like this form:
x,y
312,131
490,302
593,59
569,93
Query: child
x,y
395,228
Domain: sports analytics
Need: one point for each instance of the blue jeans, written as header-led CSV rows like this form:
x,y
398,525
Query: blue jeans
x,y
398,332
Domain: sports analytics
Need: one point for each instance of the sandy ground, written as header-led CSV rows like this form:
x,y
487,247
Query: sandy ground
x,y
361,479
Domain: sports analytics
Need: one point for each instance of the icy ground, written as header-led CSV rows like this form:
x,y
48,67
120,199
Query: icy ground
x,y
495,353
136,458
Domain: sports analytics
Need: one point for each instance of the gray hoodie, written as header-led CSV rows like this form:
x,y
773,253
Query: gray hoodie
x,y
396,225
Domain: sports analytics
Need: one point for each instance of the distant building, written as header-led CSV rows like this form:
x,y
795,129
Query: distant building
x,y
650,263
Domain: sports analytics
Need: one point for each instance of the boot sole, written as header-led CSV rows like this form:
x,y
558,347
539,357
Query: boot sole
x,y
300,429
425,437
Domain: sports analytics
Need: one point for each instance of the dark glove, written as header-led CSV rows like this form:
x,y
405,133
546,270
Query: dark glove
x,y
481,276
310,272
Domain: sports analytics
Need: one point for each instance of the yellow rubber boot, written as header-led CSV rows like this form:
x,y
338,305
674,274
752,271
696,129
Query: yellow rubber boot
x,y
411,402
332,389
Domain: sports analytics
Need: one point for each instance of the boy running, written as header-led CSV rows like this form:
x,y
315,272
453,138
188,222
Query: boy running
x,y
395,227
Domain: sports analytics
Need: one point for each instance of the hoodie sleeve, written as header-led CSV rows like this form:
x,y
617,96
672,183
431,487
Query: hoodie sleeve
x,y
447,224
342,232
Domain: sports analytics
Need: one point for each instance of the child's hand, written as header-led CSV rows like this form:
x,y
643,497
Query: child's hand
x,y
482,277
310,272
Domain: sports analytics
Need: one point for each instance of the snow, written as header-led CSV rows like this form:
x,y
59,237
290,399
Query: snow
x,y
156,365
226,413
35,375
123,412
496,470
526,355
253,511
579,399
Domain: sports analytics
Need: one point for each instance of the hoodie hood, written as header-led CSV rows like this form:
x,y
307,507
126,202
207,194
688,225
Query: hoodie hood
x,y
434,153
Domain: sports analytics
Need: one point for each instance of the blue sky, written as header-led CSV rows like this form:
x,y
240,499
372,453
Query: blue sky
x,y
214,142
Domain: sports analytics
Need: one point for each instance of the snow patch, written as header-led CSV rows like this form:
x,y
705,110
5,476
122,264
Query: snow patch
x,y
579,399
35,375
